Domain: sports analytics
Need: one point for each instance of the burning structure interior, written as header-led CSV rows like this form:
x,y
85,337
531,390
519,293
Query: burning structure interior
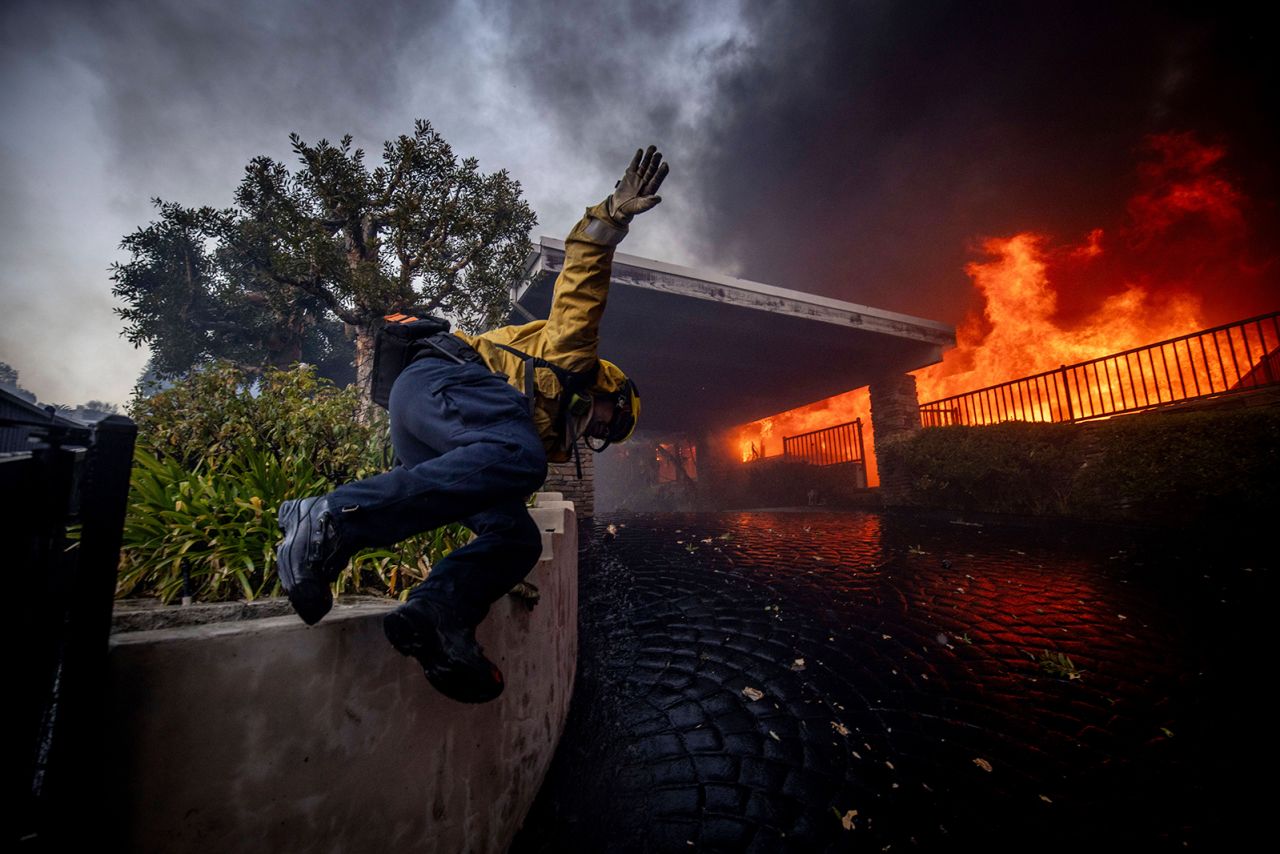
x,y
711,352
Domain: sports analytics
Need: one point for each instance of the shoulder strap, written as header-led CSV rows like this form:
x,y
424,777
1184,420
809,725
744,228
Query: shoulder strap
x,y
572,381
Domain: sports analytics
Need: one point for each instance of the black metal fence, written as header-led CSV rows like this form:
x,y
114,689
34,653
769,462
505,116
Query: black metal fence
x,y
828,446
65,485
1226,359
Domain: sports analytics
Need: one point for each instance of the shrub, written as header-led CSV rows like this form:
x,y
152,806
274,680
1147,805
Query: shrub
x,y
217,522
1169,468
1003,468
218,452
1216,465
220,413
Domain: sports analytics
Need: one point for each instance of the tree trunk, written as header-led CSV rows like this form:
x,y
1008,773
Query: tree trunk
x,y
364,340
284,343
361,252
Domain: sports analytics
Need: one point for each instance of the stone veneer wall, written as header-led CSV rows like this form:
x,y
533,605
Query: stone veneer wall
x,y
266,735
895,411
563,478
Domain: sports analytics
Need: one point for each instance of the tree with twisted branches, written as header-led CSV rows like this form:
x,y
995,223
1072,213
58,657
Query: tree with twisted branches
x,y
306,263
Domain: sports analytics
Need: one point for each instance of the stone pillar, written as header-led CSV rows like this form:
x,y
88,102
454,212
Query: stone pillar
x,y
563,478
895,412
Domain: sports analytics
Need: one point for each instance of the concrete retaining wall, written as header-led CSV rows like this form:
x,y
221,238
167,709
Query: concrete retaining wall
x,y
266,735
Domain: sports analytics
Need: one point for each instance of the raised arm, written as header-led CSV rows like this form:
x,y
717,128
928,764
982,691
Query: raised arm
x,y
572,332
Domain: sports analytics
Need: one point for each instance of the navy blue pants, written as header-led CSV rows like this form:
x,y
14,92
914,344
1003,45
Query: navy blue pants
x,y
468,453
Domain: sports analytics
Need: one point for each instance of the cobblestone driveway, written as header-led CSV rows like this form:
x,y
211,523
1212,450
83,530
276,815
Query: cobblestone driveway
x,y
845,681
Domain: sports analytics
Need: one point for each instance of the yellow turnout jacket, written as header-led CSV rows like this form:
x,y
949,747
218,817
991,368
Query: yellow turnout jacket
x,y
568,338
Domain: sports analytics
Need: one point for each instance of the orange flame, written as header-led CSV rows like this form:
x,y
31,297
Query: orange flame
x,y
1017,333
1184,238
1137,283
763,438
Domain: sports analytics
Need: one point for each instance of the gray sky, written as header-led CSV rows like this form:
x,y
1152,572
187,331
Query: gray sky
x,y
109,104
852,149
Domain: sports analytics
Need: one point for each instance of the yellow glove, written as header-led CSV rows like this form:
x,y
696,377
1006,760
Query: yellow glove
x,y
637,191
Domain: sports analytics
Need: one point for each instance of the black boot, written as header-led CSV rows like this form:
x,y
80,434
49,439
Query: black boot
x,y
310,556
446,648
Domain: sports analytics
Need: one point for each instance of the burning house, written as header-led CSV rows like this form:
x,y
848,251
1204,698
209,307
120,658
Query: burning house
x,y
756,394
712,352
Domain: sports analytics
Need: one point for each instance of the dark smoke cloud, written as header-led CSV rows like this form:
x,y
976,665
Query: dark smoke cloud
x,y
856,149
861,150
612,76
868,144
603,68
181,82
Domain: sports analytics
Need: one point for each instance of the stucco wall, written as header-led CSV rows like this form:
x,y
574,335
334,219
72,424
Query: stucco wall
x,y
267,735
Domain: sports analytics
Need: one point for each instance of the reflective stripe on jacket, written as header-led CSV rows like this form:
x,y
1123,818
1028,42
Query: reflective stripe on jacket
x,y
569,336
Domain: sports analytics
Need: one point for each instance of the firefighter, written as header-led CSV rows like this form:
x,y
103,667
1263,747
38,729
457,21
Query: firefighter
x,y
474,421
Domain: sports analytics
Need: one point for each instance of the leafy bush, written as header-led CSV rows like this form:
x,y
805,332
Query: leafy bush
x,y
1175,468
219,522
217,453
1159,467
220,413
1002,468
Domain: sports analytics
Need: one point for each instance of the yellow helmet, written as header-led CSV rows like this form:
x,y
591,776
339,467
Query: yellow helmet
x,y
612,382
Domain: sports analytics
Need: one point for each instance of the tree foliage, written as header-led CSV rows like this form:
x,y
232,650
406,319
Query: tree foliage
x,y
308,256
9,381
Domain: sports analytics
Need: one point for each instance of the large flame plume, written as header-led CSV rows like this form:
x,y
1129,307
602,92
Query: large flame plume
x,y
1018,334
1169,267
1167,270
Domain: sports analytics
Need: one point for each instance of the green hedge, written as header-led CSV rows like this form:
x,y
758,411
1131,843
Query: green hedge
x,y
1156,467
1184,467
218,452
1003,468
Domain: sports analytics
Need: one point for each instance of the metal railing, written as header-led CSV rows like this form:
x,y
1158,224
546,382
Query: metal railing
x,y
828,446
1226,359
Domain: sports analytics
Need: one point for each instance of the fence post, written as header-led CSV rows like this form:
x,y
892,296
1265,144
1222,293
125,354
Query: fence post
x,y
72,752
1071,410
